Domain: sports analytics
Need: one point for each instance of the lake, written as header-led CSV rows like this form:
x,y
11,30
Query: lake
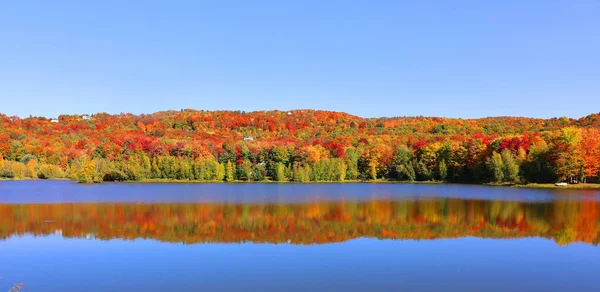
x,y
63,236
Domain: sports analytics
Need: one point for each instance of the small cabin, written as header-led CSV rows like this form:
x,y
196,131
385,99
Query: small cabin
x,y
54,121
86,117
249,138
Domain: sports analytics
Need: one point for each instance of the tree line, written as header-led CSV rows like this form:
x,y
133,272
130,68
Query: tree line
x,y
299,146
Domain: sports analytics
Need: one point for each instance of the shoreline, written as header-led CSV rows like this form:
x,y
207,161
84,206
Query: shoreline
x,y
590,186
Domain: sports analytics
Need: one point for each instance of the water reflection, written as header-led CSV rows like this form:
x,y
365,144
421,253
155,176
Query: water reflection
x,y
564,221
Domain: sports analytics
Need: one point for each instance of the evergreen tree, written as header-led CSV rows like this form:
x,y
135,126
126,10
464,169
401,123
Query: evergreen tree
x,y
229,172
259,172
443,170
220,171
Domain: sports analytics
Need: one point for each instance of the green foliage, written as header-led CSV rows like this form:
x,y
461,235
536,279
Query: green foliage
x,y
259,172
352,163
26,158
510,166
402,163
301,173
245,170
280,154
423,173
280,172
443,170
495,166
329,169
538,167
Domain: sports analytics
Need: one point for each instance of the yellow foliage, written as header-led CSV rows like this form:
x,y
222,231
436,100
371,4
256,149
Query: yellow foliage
x,y
316,153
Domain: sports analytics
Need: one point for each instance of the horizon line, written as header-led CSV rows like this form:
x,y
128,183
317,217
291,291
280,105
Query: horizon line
x,y
294,110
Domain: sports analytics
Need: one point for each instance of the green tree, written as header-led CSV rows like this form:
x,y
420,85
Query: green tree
x,y
340,170
537,167
299,173
26,158
280,172
245,170
402,164
352,163
495,167
510,166
423,173
259,172
443,170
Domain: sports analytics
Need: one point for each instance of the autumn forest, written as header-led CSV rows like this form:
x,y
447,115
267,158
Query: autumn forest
x,y
299,146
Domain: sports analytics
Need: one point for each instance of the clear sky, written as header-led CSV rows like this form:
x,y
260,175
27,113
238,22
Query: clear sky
x,y
370,58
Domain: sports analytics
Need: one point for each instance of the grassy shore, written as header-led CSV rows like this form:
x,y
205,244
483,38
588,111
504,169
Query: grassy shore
x,y
552,186
160,180
533,185
284,182
379,181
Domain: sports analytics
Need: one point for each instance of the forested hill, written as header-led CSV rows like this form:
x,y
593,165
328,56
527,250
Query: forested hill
x,y
299,145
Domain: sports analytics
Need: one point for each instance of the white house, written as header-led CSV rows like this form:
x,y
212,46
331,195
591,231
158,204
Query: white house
x,y
54,121
86,117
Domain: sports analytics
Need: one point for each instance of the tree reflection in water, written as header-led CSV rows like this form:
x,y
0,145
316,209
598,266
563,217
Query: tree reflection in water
x,y
565,221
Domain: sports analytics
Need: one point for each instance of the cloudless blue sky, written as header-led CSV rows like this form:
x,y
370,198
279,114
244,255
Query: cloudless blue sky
x,y
369,58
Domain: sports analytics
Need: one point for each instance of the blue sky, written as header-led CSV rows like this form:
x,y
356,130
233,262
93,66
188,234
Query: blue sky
x,y
369,58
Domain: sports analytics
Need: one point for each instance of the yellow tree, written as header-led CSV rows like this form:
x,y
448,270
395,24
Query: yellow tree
x,y
569,160
31,169
229,172
315,153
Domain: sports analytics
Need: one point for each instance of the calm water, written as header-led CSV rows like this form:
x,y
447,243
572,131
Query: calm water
x,y
62,236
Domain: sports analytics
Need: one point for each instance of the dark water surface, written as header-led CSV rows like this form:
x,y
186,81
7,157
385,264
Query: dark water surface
x,y
62,236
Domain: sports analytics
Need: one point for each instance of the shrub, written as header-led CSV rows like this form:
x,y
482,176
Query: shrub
x,y
7,173
50,171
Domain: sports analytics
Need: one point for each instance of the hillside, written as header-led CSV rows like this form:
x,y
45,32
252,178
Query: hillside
x,y
299,145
